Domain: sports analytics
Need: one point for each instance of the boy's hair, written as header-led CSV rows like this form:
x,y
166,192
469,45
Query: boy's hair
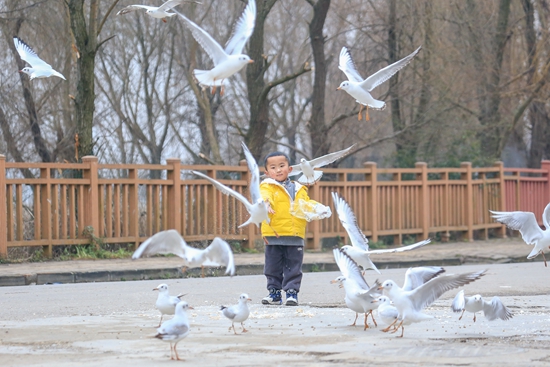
x,y
275,154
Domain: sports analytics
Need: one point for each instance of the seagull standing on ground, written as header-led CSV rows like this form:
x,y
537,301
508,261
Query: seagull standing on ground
x,y
39,68
158,12
359,250
492,310
526,224
227,61
166,303
238,312
359,295
176,329
311,176
410,303
360,89
386,312
218,253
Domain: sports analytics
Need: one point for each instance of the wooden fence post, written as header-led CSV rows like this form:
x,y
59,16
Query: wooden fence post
x,y
91,195
469,209
3,209
501,232
424,199
174,195
45,212
133,203
372,199
545,165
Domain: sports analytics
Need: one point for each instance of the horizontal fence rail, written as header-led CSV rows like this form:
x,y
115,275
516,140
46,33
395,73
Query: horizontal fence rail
x,y
52,204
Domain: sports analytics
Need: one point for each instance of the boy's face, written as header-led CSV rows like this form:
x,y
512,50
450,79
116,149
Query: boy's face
x,y
277,168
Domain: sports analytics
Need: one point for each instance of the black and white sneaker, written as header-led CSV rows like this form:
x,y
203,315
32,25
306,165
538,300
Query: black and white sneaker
x,y
273,298
291,298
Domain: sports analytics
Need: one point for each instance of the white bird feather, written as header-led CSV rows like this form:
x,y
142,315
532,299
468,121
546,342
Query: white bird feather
x,y
359,250
218,253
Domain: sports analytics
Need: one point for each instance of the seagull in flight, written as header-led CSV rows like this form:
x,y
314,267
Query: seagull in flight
x,y
227,61
359,294
414,277
410,303
359,249
218,253
39,68
309,175
158,12
526,224
258,208
360,88
492,310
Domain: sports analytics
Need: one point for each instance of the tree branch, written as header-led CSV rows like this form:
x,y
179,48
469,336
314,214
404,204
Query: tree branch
x,y
305,68
105,18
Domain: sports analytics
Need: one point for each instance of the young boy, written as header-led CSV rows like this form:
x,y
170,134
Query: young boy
x,y
284,236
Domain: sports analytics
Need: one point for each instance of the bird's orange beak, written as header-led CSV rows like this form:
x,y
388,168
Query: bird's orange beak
x,y
338,88
251,61
191,308
380,288
155,289
249,299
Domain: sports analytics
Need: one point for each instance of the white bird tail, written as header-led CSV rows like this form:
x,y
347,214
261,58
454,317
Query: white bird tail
x,y
204,78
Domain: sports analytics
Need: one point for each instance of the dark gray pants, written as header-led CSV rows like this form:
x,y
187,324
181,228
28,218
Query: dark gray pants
x,y
283,266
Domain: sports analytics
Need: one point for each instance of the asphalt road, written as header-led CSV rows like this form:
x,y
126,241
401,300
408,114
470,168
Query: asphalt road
x,y
112,324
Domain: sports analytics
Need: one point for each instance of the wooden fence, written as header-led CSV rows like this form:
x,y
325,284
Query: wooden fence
x,y
65,204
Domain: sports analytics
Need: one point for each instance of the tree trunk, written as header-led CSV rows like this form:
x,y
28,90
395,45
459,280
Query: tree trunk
x,y
86,43
259,104
537,114
320,143
489,118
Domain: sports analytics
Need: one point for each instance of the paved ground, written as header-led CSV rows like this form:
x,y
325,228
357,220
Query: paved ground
x,y
507,250
112,324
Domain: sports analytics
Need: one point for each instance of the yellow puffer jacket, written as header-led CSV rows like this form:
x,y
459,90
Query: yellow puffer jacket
x,y
284,223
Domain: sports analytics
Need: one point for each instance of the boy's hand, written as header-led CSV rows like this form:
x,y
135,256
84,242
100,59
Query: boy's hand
x,y
269,209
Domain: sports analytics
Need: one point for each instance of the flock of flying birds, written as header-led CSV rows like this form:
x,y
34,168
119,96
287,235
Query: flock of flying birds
x,y
396,306
230,60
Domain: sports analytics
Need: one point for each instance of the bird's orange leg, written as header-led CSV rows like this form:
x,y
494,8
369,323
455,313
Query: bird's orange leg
x,y
462,314
402,331
160,322
354,321
398,326
175,350
244,330
222,90
542,253
360,110
366,325
234,328
367,118
474,317
389,326
164,20
202,271
372,317
171,353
